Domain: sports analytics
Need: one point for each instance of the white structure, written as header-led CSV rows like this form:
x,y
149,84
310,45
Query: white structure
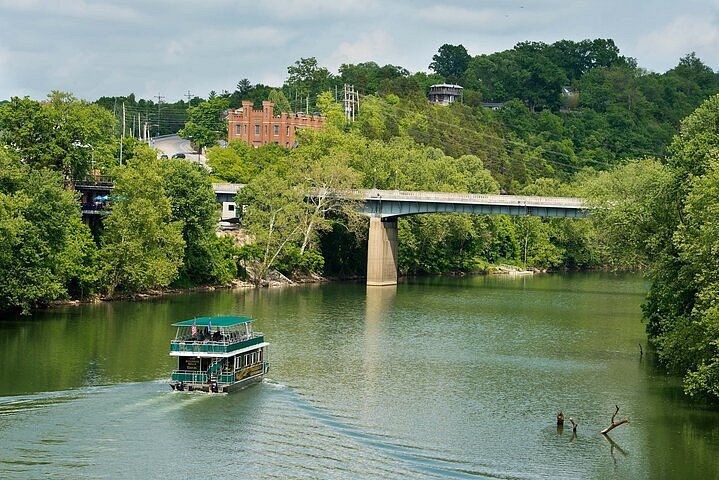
x,y
444,94
225,194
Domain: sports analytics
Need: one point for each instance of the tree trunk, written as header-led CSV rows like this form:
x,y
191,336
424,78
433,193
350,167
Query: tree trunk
x,y
614,424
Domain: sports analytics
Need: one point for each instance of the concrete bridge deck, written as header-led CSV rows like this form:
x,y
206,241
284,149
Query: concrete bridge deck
x,y
396,203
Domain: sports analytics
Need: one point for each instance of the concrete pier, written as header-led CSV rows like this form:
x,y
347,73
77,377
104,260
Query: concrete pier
x,y
382,251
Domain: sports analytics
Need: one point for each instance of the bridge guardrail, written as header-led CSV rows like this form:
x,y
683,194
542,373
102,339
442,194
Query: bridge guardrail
x,y
570,202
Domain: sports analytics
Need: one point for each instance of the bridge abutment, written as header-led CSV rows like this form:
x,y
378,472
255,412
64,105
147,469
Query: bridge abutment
x,y
382,251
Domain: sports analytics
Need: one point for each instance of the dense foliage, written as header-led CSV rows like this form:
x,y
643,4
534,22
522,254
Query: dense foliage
x,y
46,253
58,134
206,123
159,232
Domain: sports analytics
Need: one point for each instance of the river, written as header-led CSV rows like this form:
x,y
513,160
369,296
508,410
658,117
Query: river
x,y
437,378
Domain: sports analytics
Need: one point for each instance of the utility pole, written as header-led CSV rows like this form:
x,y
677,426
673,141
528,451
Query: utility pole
x,y
189,97
122,136
351,102
159,102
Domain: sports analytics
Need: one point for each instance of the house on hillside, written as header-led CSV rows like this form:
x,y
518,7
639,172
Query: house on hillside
x,y
260,127
444,94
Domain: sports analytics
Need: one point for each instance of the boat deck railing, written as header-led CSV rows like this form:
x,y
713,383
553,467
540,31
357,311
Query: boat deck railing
x,y
189,376
193,376
214,346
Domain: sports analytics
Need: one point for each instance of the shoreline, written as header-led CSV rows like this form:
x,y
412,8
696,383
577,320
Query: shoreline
x,y
236,284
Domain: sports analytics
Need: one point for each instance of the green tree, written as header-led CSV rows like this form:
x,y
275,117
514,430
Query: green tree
x,y
239,163
46,252
306,79
231,164
51,134
450,61
207,123
243,86
142,246
634,210
193,205
681,306
273,218
331,109
321,171
281,103
370,78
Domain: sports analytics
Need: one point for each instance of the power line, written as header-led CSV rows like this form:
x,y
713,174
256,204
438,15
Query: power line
x,y
496,137
501,139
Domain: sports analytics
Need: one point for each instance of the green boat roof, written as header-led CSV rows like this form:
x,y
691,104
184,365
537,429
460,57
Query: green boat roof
x,y
214,321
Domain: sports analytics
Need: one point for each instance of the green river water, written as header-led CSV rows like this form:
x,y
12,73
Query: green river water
x,y
436,378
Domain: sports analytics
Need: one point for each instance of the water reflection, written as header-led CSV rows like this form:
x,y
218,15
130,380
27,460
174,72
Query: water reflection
x,y
379,303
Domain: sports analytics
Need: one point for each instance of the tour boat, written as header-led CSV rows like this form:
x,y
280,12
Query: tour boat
x,y
217,354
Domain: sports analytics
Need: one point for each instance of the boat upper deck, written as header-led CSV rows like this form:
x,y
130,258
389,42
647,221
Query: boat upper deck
x,y
215,336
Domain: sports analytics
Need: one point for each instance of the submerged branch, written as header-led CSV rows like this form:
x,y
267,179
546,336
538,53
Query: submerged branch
x,y
614,424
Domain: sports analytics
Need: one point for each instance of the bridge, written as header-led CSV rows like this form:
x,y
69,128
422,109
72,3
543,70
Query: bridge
x,y
384,207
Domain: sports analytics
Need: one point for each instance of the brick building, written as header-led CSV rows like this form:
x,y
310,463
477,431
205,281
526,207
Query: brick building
x,y
260,127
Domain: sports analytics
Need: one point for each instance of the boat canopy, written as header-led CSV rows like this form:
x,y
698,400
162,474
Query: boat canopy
x,y
214,321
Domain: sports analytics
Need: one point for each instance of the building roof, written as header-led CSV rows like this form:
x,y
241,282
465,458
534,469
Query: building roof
x,y
215,321
229,188
446,85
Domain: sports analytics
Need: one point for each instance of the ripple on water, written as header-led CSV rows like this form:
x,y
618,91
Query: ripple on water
x,y
95,431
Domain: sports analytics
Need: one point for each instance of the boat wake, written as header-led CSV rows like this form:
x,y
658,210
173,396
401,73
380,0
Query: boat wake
x,y
396,457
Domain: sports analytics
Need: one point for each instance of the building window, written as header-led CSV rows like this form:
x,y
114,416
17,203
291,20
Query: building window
x,y
231,208
238,129
288,130
257,130
277,130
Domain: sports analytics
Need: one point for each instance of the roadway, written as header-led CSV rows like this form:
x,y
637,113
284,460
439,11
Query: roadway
x,y
172,144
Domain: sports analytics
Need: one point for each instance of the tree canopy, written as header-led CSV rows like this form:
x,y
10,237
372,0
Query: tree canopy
x,y
450,61
207,123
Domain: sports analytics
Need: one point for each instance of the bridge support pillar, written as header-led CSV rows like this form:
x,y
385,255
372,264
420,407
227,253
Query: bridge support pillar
x,y
382,251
